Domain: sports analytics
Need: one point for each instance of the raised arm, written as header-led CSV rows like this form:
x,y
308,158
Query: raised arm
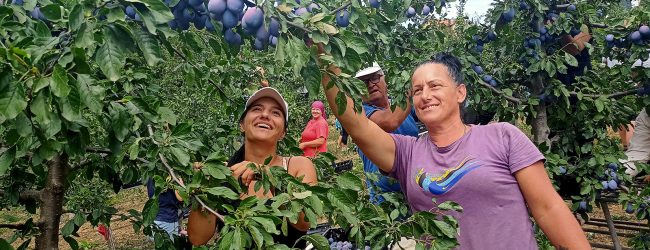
x,y
373,141
389,120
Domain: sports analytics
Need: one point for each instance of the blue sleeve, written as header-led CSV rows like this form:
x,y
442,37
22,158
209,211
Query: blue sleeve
x,y
415,117
150,188
369,109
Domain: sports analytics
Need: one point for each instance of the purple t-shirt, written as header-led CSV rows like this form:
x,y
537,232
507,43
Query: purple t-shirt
x,y
477,172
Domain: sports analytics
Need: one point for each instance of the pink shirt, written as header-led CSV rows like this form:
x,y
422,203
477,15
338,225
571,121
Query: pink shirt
x,y
315,129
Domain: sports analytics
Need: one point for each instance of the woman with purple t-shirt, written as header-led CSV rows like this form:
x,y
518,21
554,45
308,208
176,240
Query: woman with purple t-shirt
x,y
493,171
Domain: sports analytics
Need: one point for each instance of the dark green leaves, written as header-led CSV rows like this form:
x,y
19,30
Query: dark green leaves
x,y
148,46
318,241
111,55
12,96
76,17
6,158
223,192
59,83
52,12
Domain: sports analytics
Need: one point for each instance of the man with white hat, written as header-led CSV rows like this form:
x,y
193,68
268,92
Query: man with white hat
x,y
377,108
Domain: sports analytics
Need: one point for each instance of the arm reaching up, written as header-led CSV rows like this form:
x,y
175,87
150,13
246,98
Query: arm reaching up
x,y
373,141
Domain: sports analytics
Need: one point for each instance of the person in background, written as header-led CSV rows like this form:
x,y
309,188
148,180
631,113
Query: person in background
x,y
377,108
169,204
313,139
639,148
263,124
342,140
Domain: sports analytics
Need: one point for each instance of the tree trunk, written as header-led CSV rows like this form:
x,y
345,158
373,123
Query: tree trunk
x,y
52,203
540,123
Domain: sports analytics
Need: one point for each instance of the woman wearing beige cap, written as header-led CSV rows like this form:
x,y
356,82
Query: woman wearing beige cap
x,y
263,124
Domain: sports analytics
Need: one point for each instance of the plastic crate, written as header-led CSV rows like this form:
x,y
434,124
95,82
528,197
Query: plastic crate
x,y
342,166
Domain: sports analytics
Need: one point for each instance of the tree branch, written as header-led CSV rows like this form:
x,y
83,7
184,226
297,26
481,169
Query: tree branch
x,y
173,175
20,226
610,96
27,195
499,92
340,8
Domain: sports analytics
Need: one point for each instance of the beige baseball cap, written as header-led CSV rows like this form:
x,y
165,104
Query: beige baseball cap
x,y
273,94
369,70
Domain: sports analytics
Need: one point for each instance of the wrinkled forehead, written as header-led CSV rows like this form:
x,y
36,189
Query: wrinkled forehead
x,y
431,72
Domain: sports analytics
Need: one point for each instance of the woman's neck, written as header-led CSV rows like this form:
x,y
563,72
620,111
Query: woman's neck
x,y
258,152
445,134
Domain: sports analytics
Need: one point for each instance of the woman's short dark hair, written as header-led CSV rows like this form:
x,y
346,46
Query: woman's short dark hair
x,y
454,67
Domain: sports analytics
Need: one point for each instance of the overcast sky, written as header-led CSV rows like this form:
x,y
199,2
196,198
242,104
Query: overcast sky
x,y
473,8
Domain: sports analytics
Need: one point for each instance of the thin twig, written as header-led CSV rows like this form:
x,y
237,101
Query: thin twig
x,y
610,96
499,92
173,175
340,8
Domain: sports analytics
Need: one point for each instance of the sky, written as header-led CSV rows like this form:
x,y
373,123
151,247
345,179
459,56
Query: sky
x,y
473,8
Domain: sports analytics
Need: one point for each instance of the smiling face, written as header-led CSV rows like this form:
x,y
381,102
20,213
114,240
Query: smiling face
x,y
436,97
264,121
316,113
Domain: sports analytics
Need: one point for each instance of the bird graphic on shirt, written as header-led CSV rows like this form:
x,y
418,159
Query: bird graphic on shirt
x,y
444,182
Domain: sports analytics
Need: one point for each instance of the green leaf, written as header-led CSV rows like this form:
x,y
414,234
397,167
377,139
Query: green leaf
x,y
159,11
40,84
450,205
349,181
72,105
315,203
318,241
600,106
6,159
570,60
115,14
181,155
110,60
257,236
167,115
149,47
134,149
357,44
59,84
51,12
111,55
68,229
12,96
343,197
74,245
84,37
215,170
121,121
23,125
76,17
267,224
150,211
223,192
302,195
585,189
5,245
91,94
445,228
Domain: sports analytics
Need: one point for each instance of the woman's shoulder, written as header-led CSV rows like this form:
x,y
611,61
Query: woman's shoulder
x,y
298,160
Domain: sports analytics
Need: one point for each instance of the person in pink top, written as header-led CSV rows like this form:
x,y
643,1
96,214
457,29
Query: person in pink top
x,y
314,138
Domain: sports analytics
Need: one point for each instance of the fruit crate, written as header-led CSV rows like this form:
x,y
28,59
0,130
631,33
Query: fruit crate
x,y
342,166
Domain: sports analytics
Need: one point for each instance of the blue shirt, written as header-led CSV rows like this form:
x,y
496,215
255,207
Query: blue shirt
x,y
168,205
385,183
